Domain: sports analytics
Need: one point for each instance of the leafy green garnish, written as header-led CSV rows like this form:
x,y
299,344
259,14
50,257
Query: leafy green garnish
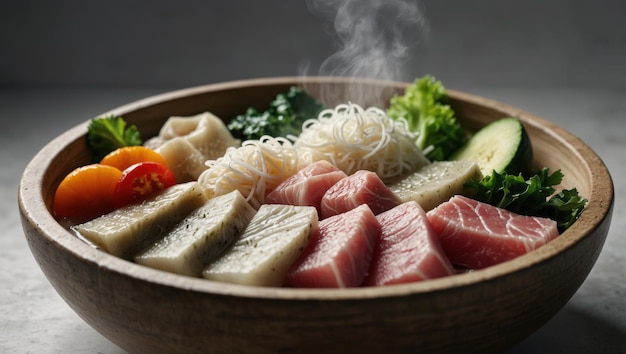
x,y
285,116
425,107
106,134
534,196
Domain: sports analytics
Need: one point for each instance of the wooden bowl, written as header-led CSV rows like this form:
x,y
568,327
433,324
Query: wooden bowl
x,y
146,311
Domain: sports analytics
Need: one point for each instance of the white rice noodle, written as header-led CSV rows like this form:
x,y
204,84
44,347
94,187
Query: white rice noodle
x,y
355,139
254,168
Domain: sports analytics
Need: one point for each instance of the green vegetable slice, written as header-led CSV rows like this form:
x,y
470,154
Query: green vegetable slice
x,y
501,146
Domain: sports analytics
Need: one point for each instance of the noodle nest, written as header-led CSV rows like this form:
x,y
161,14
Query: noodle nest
x,y
348,136
353,139
254,168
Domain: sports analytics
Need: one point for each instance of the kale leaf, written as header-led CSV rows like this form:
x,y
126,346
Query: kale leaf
x,y
285,116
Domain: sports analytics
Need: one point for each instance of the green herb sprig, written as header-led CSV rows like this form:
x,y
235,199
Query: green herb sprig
x,y
534,196
106,134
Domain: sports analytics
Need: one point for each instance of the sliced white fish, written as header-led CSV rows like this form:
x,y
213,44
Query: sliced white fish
x,y
126,231
198,239
275,237
435,183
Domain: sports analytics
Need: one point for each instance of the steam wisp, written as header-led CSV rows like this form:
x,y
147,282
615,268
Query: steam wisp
x,y
374,38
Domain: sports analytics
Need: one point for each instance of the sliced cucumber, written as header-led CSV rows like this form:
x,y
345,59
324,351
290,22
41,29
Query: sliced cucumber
x,y
503,146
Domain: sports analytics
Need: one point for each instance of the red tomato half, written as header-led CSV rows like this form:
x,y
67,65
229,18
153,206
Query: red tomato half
x,y
140,181
127,156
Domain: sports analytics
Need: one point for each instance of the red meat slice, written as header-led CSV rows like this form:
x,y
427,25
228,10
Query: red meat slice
x,y
307,186
340,252
408,249
362,187
477,235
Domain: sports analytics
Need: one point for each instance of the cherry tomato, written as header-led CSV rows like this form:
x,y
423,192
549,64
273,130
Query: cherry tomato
x,y
87,192
127,156
140,181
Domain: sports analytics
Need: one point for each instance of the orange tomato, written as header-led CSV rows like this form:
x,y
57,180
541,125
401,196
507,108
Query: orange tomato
x,y
127,156
87,192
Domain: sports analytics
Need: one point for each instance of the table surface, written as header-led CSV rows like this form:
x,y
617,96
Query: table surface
x,y
34,318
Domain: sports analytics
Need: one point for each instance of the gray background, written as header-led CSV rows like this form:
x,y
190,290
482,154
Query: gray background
x,y
63,62
166,44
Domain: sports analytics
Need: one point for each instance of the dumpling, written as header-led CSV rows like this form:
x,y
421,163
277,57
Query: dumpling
x,y
204,131
187,143
185,161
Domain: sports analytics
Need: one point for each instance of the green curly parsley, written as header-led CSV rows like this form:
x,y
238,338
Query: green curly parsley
x,y
106,134
534,197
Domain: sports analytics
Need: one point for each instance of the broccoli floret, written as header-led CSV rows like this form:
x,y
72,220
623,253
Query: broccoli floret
x,y
425,107
285,116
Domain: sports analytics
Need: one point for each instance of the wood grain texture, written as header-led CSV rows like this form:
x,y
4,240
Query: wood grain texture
x,y
144,310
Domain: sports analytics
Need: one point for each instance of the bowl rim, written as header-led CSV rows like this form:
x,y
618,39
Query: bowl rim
x,y
31,200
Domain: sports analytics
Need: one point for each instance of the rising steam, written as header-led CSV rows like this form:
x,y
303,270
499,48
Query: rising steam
x,y
374,38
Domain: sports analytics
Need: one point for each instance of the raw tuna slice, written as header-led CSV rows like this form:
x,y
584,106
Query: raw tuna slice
x,y
408,250
362,187
477,235
307,186
340,252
